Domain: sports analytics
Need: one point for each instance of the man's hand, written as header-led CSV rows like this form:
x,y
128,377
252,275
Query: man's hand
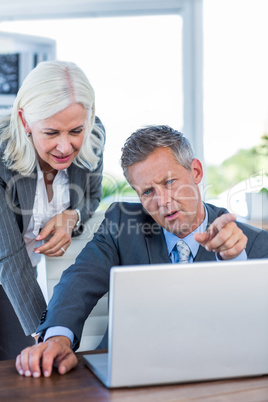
x,y
58,233
224,237
56,351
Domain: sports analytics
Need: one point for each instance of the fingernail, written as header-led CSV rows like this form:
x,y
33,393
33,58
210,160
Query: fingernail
x,y
20,372
46,373
36,374
37,251
37,237
28,373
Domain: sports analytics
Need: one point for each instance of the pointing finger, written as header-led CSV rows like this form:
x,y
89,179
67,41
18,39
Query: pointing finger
x,y
220,222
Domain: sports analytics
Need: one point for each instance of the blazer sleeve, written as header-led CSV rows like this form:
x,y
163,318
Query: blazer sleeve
x,y
17,276
257,245
84,282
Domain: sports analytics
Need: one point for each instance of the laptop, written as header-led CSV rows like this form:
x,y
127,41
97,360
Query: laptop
x,y
172,323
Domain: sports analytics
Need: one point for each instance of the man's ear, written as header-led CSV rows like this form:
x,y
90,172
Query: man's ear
x,y
197,170
23,120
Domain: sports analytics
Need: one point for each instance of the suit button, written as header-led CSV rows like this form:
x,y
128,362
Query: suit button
x,y
43,317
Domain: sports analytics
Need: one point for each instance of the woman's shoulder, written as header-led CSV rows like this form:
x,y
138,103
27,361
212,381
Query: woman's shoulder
x,y
5,172
99,130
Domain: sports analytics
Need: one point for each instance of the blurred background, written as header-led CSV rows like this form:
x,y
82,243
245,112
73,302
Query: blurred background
x,y
199,66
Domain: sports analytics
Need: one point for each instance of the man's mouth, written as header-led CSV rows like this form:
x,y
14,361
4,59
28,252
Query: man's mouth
x,y
171,215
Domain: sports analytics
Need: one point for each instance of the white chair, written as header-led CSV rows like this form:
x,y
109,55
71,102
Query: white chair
x,y
50,271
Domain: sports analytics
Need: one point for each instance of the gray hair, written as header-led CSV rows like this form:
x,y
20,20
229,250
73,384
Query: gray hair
x,y
48,89
146,140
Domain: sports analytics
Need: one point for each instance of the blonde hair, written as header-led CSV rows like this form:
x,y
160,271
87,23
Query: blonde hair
x,y
48,89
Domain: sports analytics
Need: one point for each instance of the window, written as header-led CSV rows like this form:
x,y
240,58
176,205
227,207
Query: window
x,y
134,65
145,66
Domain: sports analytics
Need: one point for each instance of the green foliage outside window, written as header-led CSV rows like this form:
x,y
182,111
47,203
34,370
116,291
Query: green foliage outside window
x,y
115,190
241,166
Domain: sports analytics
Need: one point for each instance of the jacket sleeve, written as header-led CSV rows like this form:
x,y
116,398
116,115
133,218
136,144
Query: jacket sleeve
x,y
17,276
84,282
257,245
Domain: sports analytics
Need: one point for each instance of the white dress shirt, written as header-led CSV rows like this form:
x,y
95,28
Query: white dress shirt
x,y
43,210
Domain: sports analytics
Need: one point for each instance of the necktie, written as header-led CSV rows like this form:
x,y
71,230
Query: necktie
x,y
183,251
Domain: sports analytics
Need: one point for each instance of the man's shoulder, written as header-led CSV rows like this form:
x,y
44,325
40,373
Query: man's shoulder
x,y
214,212
249,229
129,212
257,238
123,220
126,209
217,211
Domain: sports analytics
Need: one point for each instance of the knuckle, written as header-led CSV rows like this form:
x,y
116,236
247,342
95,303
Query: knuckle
x,y
26,351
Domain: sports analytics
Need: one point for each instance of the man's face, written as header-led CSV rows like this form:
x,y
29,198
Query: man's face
x,y
169,192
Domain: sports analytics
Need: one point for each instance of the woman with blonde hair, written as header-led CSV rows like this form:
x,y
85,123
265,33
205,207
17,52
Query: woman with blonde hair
x,y
51,148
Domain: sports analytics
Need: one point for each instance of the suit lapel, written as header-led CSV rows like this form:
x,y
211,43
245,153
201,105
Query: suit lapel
x,y
26,187
77,184
156,244
204,255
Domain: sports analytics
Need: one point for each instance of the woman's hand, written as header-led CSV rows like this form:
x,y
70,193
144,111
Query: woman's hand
x,y
57,234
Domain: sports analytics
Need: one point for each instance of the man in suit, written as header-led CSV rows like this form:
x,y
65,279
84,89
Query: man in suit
x,y
159,164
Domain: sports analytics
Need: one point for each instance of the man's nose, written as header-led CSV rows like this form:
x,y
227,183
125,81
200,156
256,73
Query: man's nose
x,y
64,146
162,197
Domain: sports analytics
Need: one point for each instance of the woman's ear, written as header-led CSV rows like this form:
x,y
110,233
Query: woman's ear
x,y
23,120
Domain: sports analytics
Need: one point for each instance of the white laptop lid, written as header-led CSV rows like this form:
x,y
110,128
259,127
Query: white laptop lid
x,y
174,323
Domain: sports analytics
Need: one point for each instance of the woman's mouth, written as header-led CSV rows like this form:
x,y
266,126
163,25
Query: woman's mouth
x,y
61,159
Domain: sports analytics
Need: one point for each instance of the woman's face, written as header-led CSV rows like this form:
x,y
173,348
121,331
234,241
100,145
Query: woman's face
x,y
58,139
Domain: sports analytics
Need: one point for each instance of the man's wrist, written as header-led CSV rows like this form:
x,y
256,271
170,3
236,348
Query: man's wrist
x,y
59,331
60,339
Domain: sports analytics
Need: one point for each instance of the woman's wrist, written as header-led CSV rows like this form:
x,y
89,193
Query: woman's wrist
x,y
78,222
72,218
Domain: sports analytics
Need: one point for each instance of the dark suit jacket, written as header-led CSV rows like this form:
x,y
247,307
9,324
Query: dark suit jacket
x,y
127,236
17,193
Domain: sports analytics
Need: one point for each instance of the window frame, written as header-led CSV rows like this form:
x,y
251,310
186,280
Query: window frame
x,y
191,12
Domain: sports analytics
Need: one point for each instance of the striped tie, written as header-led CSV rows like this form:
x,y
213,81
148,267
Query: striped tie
x,y
183,251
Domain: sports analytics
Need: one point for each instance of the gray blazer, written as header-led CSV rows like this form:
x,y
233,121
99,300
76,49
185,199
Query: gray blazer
x,y
127,236
17,193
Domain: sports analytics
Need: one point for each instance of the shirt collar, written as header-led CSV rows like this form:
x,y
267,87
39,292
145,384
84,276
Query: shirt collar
x,y
172,240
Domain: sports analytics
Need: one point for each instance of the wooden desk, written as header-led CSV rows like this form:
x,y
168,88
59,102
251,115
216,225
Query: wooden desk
x,y
81,385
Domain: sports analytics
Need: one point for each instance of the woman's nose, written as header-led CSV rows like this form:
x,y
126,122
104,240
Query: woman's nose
x,y
64,146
